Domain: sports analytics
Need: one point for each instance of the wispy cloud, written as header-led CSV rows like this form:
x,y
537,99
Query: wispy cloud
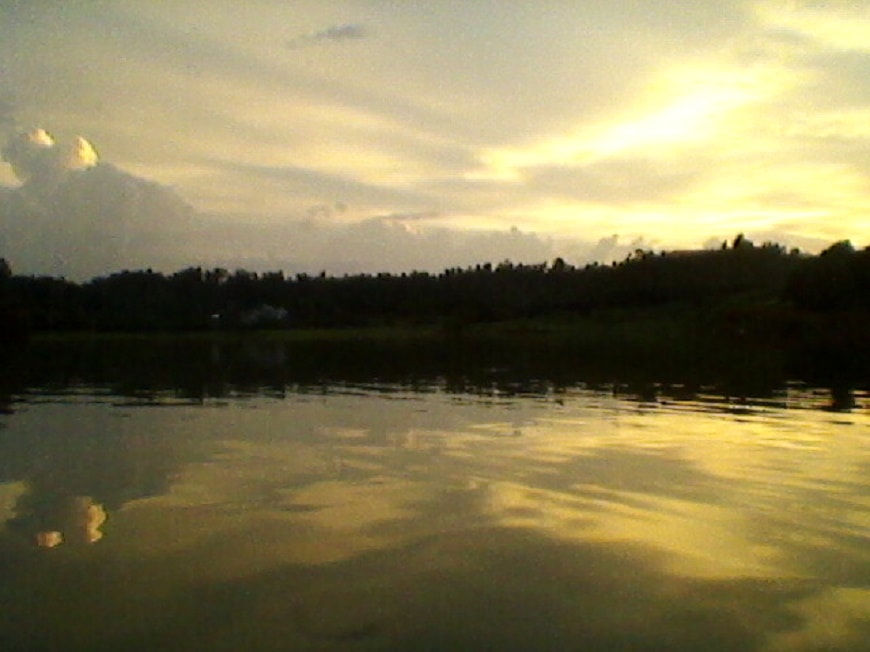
x,y
345,32
7,112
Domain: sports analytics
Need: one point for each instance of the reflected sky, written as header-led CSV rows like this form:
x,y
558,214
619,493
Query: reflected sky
x,y
353,518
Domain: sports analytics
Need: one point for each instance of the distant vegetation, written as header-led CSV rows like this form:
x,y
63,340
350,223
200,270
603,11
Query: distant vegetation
x,y
742,295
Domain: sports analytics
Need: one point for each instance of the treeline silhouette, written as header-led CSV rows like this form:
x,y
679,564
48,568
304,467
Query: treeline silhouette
x,y
741,282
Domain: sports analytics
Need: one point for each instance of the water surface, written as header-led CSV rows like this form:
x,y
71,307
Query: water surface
x,y
378,516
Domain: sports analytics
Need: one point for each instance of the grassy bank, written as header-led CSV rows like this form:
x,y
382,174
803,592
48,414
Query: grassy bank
x,y
761,344
374,333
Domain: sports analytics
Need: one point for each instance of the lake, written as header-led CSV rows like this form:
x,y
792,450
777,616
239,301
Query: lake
x,y
216,505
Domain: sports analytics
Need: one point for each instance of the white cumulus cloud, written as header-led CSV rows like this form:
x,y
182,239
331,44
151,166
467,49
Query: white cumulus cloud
x,y
35,156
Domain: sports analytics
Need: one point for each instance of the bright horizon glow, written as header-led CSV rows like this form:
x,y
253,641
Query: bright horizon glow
x,y
703,100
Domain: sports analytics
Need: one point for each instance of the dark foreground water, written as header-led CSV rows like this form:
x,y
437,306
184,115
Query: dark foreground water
x,y
345,515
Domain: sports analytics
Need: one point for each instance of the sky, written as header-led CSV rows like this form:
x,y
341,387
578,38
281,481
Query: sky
x,y
390,136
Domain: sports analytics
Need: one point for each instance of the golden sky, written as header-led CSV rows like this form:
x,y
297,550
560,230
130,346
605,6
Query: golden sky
x,y
672,122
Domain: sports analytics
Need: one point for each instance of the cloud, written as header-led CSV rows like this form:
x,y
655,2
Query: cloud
x,y
680,110
7,112
73,216
36,159
617,181
840,25
81,156
29,153
391,243
345,32
341,32
98,219
303,182
412,217
388,243
87,218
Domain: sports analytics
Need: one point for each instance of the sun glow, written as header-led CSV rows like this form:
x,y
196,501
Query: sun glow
x,y
843,25
684,108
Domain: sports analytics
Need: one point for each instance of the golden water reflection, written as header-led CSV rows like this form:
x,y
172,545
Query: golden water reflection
x,y
360,521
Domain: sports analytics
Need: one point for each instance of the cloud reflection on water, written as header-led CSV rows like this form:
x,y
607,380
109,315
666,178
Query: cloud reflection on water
x,y
347,521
